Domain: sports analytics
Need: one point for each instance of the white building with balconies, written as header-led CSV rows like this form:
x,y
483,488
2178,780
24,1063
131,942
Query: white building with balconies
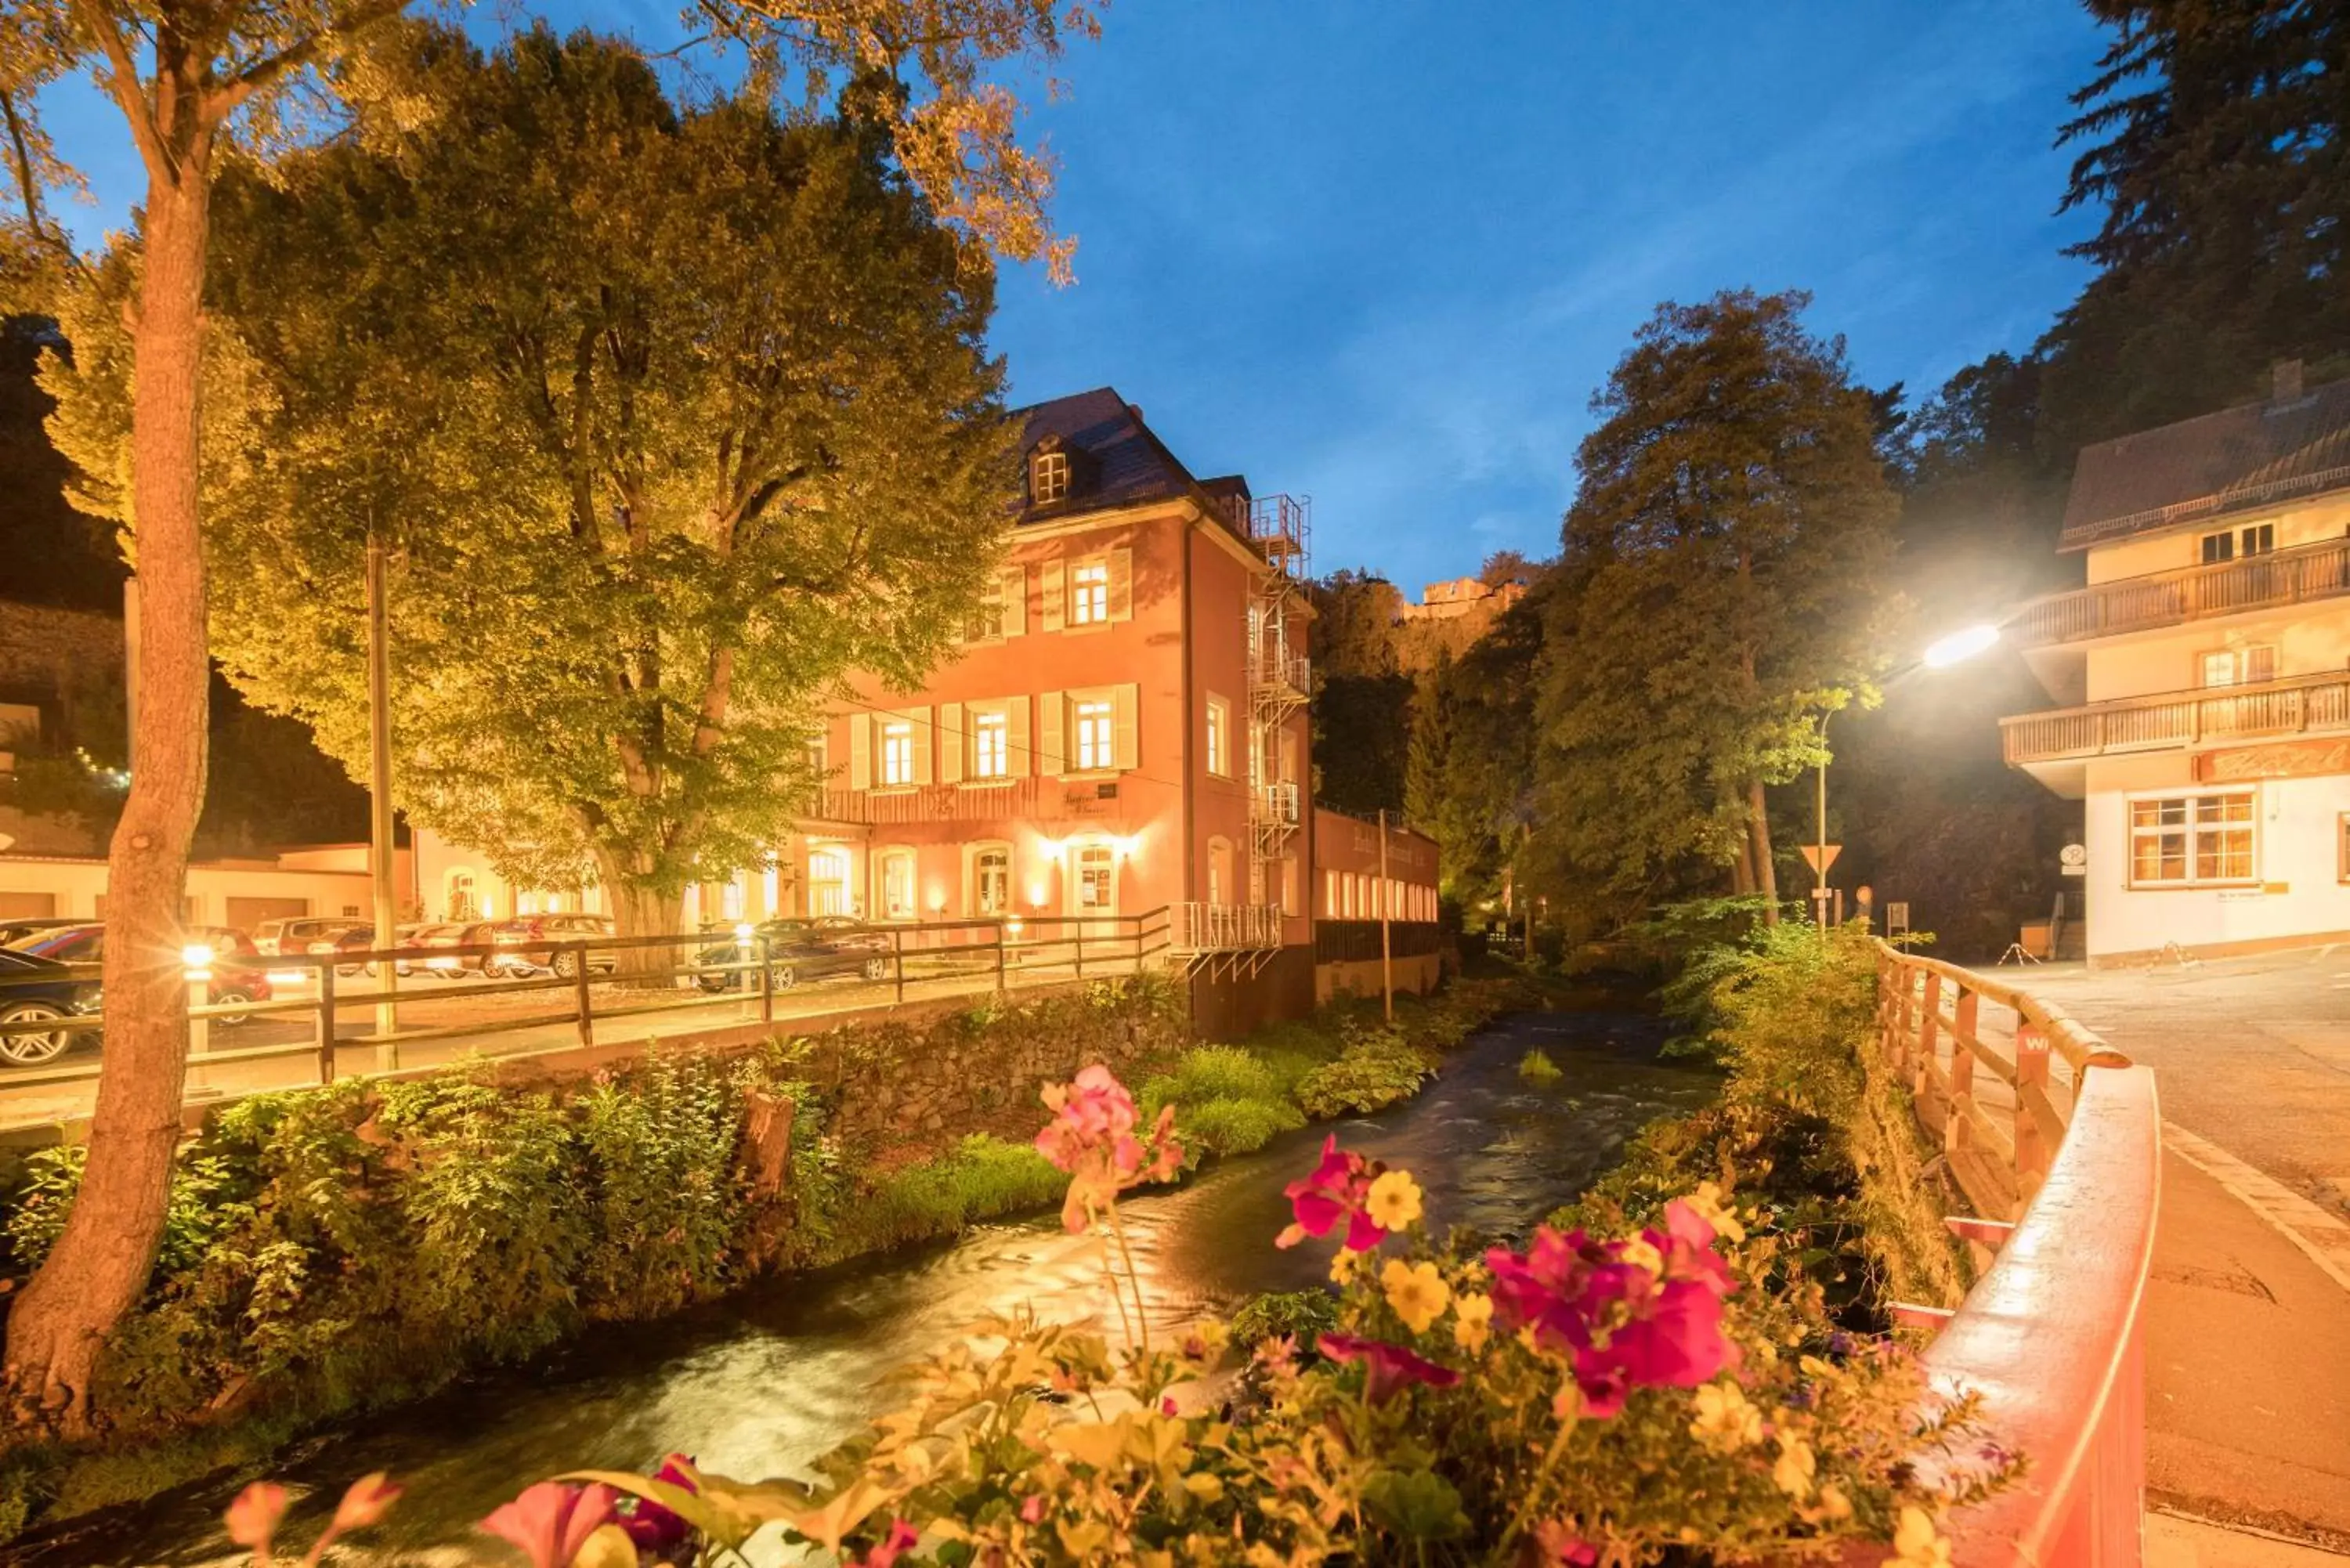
x,y
2204,674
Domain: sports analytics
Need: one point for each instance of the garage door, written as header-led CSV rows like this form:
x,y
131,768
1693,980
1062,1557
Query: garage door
x,y
28,905
244,914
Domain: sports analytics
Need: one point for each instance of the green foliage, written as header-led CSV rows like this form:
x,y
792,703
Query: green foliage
x,y
51,1176
1536,1068
1377,1069
984,1178
1306,1314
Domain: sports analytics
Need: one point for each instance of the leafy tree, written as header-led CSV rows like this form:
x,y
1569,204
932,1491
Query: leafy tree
x,y
1469,775
2211,138
1362,701
1720,591
188,78
693,422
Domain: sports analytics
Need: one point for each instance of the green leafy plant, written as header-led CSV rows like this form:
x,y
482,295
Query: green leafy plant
x,y
1536,1067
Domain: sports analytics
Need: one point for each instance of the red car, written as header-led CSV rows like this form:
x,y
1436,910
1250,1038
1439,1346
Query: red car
x,y
236,974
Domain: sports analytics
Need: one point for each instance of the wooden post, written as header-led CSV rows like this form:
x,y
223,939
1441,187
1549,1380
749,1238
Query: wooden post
x,y
1959,1133
326,1023
766,981
999,958
1386,946
586,1006
1929,1023
2032,1156
898,953
379,830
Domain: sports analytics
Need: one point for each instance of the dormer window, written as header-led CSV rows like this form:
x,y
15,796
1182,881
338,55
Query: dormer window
x,y
1048,477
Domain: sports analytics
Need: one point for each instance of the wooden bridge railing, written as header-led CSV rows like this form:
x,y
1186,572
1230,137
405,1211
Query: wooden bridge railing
x,y
2064,1173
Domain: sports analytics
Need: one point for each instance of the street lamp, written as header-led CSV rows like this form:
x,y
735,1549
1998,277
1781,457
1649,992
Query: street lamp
x,y
1956,648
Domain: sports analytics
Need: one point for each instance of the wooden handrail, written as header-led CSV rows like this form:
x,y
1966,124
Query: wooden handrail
x,y
2293,705
2184,594
2051,1335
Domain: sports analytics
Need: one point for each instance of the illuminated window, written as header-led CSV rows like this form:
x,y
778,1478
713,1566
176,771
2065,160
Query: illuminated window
x,y
1097,879
986,621
898,884
1219,737
898,753
2189,840
2240,666
2342,843
1089,593
991,745
828,881
990,881
1097,736
1048,477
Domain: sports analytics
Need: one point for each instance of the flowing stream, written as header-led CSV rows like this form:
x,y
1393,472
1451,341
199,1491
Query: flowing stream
x,y
763,1382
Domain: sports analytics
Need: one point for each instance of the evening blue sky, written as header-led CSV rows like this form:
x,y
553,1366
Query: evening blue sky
x,y
1382,252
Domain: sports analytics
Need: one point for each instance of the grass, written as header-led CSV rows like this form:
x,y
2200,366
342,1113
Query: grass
x,y
1536,1067
981,1178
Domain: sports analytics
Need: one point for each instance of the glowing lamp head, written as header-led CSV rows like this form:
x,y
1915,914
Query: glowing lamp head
x,y
196,960
1960,645
1011,927
743,932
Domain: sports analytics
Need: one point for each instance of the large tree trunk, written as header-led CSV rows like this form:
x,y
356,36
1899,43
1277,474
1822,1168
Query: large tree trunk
x,y
1766,874
102,1262
638,912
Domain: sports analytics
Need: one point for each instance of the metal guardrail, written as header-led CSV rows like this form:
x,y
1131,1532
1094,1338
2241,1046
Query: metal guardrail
x,y
603,980
2279,578
2052,1333
2267,710
1224,928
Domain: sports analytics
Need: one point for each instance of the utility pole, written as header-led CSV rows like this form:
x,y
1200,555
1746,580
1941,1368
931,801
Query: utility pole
x,y
1387,902
387,901
1820,865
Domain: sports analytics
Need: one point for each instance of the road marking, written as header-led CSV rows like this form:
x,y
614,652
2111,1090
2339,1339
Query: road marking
x,y
2323,1237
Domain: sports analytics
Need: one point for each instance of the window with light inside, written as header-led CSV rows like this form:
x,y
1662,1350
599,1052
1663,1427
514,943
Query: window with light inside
x,y
991,745
1097,878
2190,840
990,881
1089,593
1097,736
898,753
986,620
1048,477
1220,723
898,884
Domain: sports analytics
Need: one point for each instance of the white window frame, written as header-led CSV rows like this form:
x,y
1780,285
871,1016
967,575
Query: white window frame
x,y
987,618
2191,829
1086,856
2244,665
896,753
1048,478
884,862
1089,591
830,894
1219,737
991,745
1093,735
978,900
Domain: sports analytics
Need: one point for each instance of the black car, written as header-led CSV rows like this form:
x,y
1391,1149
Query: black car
x,y
802,950
35,990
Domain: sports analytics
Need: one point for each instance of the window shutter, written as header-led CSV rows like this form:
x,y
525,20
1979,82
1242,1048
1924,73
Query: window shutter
x,y
921,719
1128,699
1122,584
1050,716
1017,758
1014,587
2260,663
1054,579
860,751
955,745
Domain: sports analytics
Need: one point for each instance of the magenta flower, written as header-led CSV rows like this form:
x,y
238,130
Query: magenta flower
x,y
1559,1543
1339,1189
1386,1368
367,1500
653,1527
1091,1136
253,1517
551,1522
900,1541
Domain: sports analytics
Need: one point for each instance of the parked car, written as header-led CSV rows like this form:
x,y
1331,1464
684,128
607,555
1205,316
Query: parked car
x,y
447,965
801,949
308,934
361,939
71,956
15,931
35,990
534,942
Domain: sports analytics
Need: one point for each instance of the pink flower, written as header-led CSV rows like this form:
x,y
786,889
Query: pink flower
x,y
367,1500
1386,1368
1560,1544
1031,1508
550,1522
1091,1136
1338,1190
253,1517
900,1541
654,1527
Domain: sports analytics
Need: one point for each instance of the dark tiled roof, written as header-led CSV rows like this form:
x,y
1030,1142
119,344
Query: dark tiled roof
x,y
1119,462
2252,455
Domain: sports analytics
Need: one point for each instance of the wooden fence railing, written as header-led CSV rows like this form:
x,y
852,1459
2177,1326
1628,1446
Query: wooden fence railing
x,y
2063,1170
2185,594
2295,705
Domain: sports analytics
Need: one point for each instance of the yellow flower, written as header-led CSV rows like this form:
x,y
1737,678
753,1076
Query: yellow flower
x,y
1416,1290
1707,1203
1342,1267
1394,1200
1916,1543
1475,1316
1724,1419
1642,1256
1793,1473
1833,1504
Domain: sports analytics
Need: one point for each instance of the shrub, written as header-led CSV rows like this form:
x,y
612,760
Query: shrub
x,y
1235,1127
1303,1314
1536,1067
984,1178
1373,1073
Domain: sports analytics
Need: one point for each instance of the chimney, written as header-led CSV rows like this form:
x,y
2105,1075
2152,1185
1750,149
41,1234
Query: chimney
x,y
2284,381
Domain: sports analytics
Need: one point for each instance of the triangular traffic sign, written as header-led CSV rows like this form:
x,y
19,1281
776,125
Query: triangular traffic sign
x,y
1812,855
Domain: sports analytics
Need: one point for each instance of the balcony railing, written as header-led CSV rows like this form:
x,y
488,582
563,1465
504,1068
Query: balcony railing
x,y
1031,798
1274,803
2298,705
1225,927
1293,677
2190,593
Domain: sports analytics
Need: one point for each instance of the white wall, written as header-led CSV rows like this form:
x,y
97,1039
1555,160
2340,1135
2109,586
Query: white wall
x,y
77,885
2300,893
